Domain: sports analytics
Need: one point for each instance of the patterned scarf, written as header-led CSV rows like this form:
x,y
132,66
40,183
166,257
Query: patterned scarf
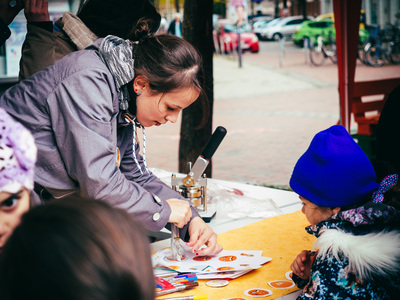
x,y
117,55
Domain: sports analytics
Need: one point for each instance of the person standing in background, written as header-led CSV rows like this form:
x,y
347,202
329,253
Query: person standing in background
x,y
163,29
175,27
7,15
239,7
46,42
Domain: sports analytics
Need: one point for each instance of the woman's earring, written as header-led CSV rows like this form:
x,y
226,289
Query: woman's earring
x,y
138,93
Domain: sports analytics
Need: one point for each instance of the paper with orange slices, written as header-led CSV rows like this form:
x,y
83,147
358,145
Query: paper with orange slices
x,y
227,264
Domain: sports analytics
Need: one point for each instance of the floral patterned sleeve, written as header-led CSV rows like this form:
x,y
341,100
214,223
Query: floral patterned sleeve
x,y
331,279
300,283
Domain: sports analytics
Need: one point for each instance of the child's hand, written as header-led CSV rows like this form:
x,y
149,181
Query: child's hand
x,y
36,10
301,266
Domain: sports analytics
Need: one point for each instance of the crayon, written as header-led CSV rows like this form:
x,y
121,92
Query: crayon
x,y
188,279
186,275
179,287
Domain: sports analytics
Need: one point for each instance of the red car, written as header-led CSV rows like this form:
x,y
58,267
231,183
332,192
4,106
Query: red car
x,y
226,37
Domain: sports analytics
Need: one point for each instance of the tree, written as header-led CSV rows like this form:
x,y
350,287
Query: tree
x,y
197,30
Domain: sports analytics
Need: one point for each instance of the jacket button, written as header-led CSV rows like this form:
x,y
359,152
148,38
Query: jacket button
x,y
158,200
156,217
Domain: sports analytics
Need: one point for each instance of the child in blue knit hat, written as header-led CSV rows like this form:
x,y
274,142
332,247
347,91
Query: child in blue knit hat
x,y
356,224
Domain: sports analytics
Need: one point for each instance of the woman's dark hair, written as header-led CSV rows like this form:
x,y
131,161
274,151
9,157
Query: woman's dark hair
x,y
169,63
77,249
117,17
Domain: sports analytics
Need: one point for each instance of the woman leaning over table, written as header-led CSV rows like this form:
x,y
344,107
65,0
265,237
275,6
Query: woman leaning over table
x,y
84,112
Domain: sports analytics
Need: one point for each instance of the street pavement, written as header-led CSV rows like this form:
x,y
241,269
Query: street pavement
x,y
271,109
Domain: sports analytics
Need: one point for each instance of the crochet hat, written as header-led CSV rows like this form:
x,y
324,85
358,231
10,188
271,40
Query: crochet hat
x,y
334,171
17,155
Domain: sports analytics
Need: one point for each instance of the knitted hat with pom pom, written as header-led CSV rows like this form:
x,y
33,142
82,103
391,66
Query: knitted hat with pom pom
x,y
17,155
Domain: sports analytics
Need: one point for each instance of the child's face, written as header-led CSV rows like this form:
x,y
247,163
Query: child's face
x,y
316,214
12,207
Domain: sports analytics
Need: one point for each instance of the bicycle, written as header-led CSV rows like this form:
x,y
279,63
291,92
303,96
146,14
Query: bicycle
x,y
321,48
368,42
386,49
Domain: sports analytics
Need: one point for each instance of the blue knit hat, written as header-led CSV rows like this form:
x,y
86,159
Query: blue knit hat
x,y
334,171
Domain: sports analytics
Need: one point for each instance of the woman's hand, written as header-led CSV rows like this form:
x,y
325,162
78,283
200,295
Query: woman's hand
x,y
202,234
36,11
301,265
180,212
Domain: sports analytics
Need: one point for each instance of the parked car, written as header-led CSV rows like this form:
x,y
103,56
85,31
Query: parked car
x,y
226,37
258,26
254,19
282,27
327,16
311,28
324,27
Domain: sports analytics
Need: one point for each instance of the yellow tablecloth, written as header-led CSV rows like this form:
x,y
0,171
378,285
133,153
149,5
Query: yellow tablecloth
x,y
281,238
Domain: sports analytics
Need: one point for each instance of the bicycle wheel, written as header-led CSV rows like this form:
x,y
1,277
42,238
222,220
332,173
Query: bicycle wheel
x,y
333,58
361,53
317,55
331,53
375,56
394,56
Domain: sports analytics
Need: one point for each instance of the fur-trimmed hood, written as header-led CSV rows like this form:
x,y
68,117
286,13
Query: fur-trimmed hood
x,y
358,255
368,236
370,256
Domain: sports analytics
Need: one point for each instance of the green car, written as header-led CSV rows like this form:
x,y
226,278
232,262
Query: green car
x,y
325,27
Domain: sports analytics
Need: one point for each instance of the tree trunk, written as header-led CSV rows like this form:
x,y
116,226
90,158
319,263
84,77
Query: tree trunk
x,y
177,5
197,30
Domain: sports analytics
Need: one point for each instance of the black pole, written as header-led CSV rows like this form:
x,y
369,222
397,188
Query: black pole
x,y
239,49
276,9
